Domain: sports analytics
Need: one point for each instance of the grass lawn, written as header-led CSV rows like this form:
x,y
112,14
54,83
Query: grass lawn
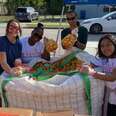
x,y
48,24
4,19
48,21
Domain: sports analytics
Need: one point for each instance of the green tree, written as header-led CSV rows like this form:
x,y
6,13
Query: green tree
x,y
9,5
13,4
54,7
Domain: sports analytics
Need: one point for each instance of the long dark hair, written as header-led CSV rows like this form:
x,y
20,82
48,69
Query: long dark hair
x,y
113,40
8,24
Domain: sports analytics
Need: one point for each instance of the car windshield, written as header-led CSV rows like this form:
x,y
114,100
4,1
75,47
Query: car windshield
x,y
21,10
108,15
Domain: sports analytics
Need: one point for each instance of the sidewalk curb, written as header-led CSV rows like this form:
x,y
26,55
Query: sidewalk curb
x,y
26,27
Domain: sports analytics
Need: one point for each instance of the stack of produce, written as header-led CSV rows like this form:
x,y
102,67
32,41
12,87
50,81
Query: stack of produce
x,y
66,64
51,45
68,41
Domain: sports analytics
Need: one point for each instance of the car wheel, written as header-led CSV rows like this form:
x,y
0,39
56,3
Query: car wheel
x,y
96,28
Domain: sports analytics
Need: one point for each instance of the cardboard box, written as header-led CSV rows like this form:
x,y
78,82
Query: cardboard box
x,y
59,113
16,111
7,114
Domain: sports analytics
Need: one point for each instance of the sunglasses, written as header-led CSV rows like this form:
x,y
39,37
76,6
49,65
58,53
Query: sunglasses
x,y
72,18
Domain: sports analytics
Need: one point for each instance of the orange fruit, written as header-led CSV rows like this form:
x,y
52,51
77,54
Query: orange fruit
x,y
68,41
51,45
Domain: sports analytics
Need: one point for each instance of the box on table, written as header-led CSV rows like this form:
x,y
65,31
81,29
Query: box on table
x,y
58,113
16,112
8,114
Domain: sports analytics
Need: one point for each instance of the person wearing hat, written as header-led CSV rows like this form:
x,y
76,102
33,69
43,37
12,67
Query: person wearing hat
x,y
33,46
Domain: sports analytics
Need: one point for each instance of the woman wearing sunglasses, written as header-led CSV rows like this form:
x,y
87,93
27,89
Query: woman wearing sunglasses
x,y
33,46
80,32
10,48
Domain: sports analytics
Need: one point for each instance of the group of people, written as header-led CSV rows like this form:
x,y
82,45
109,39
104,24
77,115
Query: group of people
x,y
105,58
14,49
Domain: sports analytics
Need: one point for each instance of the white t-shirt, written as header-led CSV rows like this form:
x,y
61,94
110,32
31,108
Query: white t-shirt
x,y
31,52
75,32
107,66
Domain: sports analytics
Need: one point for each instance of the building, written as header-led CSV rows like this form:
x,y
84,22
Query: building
x,y
93,11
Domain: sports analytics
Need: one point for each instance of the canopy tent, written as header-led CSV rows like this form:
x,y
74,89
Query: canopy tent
x,y
90,2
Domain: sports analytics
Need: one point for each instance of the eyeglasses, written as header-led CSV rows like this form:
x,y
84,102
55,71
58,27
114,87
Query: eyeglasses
x,y
71,18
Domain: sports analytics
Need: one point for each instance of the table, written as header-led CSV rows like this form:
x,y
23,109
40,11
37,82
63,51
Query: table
x,y
56,94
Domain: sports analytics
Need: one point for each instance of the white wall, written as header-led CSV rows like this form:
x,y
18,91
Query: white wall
x,y
91,10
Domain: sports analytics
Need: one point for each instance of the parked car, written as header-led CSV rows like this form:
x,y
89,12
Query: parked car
x,y
106,23
26,14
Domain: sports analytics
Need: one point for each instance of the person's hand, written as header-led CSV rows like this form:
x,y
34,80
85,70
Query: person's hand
x,y
45,40
87,69
16,71
18,62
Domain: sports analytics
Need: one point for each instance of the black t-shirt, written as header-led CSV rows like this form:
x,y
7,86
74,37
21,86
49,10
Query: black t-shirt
x,y
82,34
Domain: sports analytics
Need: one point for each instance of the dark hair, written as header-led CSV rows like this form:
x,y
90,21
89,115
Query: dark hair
x,y
36,29
112,39
40,25
71,11
78,23
8,24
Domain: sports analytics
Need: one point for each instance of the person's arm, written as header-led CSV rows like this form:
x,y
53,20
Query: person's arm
x,y
105,77
3,58
82,38
64,33
99,75
6,67
80,45
4,64
45,55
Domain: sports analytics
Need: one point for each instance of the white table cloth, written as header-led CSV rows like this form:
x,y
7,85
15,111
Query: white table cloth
x,y
58,93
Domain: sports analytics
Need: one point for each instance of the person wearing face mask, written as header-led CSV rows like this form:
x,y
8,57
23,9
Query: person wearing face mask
x,y
33,46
